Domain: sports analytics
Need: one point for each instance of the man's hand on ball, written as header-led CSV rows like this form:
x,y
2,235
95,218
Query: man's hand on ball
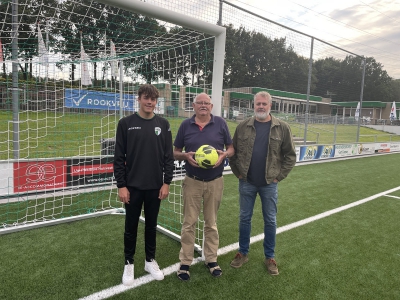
x,y
221,158
190,159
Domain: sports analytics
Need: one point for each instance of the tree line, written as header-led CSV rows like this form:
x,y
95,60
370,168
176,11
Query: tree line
x,y
252,59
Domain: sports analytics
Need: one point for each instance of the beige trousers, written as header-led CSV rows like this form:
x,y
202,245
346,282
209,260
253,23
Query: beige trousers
x,y
198,195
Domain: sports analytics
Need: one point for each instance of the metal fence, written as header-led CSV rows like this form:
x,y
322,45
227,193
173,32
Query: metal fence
x,y
289,57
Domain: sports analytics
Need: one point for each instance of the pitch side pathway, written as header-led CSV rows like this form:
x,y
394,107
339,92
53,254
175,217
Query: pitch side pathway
x,y
233,247
386,128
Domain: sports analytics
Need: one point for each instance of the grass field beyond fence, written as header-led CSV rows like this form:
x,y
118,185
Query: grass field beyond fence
x,y
353,254
47,135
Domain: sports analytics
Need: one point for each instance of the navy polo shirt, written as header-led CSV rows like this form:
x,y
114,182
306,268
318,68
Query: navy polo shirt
x,y
190,138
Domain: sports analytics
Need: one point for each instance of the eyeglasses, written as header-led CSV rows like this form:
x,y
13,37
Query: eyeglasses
x,y
203,103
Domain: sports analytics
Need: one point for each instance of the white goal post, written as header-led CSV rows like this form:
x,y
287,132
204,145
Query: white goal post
x,y
217,31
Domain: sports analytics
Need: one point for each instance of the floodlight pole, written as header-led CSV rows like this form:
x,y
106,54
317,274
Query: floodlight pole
x,y
105,63
308,91
47,54
335,130
361,99
15,91
220,13
121,93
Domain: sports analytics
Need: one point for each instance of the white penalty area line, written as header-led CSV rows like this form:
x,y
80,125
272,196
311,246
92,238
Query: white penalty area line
x,y
391,196
104,294
112,291
284,228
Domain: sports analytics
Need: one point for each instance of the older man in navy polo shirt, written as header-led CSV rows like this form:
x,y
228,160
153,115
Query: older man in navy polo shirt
x,y
201,186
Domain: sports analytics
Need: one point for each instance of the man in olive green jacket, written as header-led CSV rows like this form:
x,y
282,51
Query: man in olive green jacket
x,y
264,155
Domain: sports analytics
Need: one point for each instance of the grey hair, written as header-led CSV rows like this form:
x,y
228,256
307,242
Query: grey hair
x,y
264,95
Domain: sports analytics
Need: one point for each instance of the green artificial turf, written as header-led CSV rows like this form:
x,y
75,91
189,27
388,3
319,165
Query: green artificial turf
x,y
353,254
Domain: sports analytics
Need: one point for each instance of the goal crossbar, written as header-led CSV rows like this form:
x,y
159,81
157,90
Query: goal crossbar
x,y
217,31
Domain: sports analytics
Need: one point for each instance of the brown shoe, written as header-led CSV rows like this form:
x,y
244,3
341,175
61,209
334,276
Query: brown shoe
x,y
239,260
271,266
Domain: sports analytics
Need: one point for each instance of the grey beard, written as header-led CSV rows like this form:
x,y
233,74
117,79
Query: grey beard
x,y
261,115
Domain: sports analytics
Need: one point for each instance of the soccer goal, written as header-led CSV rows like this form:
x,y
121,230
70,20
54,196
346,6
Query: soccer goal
x,y
69,71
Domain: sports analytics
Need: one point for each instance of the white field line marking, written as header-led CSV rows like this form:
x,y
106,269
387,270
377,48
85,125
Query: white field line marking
x,y
392,196
104,294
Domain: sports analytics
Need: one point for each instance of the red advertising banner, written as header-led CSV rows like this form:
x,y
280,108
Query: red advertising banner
x,y
382,148
36,176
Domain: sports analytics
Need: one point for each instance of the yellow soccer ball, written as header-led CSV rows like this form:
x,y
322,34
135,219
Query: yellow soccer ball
x,y
206,156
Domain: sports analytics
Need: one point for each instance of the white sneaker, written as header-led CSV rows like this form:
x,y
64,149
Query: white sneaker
x,y
153,268
128,277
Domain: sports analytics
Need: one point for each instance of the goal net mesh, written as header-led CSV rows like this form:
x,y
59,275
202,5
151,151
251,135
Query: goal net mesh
x,y
80,64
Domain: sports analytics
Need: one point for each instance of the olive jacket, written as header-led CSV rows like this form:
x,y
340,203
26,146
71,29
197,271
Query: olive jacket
x,y
281,156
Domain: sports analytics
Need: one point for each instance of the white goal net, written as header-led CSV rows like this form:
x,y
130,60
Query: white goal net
x,y
65,82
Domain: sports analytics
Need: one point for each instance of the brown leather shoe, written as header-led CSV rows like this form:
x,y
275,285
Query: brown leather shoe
x,y
271,266
239,260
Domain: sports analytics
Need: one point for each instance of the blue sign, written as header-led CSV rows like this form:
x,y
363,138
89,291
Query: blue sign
x,y
316,152
99,100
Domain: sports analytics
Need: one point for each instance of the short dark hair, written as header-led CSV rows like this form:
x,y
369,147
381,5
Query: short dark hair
x,y
149,90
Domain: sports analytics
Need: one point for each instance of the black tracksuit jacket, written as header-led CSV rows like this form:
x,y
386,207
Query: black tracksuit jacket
x,y
143,156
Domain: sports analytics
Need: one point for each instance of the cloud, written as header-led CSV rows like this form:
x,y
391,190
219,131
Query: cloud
x,y
373,31
367,28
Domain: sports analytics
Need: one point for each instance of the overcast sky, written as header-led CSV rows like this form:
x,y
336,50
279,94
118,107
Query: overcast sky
x,y
366,27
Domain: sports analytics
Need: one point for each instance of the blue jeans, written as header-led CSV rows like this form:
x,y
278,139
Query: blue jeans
x,y
269,200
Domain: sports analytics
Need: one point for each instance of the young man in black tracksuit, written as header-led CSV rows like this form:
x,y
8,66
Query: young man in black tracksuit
x,y
143,169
